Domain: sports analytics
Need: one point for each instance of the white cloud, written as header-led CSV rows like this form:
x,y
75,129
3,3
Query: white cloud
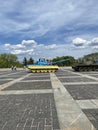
x,y
28,42
51,21
26,46
30,48
79,42
7,45
95,48
17,46
18,52
39,17
53,46
94,42
82,43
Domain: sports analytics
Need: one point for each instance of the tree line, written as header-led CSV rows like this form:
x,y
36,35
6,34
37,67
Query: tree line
x,y
64,60
28,61
8,60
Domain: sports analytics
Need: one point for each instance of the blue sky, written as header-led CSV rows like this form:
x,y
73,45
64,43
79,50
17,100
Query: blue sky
x,y
47,28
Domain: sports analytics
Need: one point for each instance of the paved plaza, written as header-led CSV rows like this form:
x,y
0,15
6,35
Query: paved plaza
x,y
64,100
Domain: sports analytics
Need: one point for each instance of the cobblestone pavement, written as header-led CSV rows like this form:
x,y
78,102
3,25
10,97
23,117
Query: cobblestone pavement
x,y
84,90
28,112
64,100
92,115
33,111
29,85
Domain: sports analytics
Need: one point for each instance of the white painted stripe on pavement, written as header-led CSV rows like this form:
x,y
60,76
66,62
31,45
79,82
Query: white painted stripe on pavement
x,y
34,80
12,82
83,75
79,83
10,92
87,104
69,113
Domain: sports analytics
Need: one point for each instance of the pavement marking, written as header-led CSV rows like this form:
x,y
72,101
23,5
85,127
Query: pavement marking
x,y
83,75
79,83
25,92
33,80
93,74
88,104
90,77
16,72
33,76
69,76
95,101
5,85
4,125
6,79
69,113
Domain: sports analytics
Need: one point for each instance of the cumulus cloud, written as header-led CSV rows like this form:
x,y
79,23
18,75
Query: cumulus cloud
x,y
17,52
28,42
82,43
94,42
78,47
17,46
30,47
79,42
26,47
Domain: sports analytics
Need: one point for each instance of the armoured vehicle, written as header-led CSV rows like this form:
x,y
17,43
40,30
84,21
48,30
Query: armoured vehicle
x,y
86,65
43,66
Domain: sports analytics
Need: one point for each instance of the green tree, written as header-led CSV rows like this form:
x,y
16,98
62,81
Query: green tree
x,y
64,61
30,61
92,56
25,62
8,60
89,59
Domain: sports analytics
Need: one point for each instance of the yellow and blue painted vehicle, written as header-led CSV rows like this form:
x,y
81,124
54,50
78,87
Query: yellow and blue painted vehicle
x,y
42,66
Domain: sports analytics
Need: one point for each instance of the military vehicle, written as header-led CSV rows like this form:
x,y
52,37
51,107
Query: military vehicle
x,y
86,65
43,66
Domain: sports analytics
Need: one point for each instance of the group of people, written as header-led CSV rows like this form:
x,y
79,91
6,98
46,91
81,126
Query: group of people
x,y
13,68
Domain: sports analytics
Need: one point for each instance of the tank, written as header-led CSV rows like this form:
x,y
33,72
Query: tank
x,y
86,65
45,66
42,66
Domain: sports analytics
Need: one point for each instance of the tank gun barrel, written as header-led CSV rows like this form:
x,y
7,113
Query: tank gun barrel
x,y
60,61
